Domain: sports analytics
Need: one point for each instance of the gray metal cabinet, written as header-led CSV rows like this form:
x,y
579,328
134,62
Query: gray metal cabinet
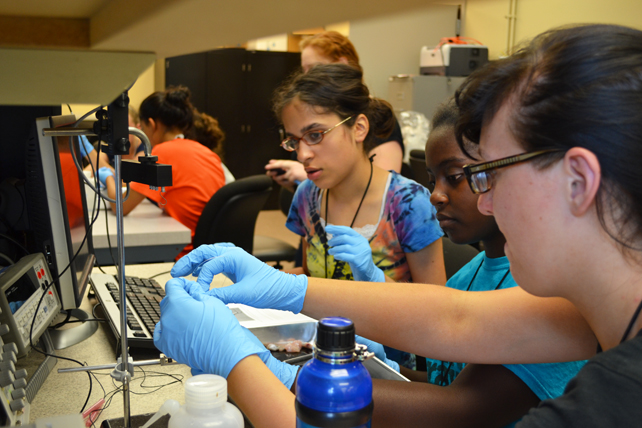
x,y
421,93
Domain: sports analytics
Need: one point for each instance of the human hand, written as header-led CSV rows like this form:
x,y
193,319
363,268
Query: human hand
x,y
256,283
285,372
378,350
103,173
209,339
194,262
348,246
287,173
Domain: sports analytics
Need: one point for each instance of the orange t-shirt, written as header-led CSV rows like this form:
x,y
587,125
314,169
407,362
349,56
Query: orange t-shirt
x,y
71,183
197,173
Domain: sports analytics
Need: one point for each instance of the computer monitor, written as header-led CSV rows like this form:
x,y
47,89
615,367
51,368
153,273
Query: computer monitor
x,y
58,217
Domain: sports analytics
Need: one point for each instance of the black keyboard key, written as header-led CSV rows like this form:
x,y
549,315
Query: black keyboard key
x,y
143,299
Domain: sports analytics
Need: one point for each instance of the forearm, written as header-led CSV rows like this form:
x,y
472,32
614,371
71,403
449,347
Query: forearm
x,y
130,203
481,396
504,326
413,404
427,265
110,183
266,402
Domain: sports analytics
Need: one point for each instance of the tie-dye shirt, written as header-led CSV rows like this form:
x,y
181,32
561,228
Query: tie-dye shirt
x,y
407,224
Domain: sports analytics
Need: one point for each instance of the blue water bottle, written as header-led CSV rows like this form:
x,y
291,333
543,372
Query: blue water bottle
x,y
334,389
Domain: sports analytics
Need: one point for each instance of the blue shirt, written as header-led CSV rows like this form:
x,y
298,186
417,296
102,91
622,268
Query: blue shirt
x,y
482,274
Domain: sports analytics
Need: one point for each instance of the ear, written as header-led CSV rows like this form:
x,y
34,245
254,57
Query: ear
x,y
343,60
584,175
152,124
360,128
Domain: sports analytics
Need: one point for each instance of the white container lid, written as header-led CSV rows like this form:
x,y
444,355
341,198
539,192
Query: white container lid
x,y
205,391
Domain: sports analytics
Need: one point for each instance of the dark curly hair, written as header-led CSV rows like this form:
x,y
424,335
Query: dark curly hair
x,y
205,129
172,107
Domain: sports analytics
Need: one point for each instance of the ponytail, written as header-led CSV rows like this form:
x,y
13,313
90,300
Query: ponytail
x,y
172,107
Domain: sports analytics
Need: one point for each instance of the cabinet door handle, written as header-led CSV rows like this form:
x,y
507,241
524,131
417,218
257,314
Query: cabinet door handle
x,y
249,128
242,129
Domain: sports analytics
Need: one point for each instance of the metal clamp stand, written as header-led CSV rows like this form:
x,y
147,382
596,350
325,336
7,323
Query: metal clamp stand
x,y
118,373
114,125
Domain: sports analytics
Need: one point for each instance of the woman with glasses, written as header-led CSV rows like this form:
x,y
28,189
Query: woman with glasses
x,y
329,119
559,130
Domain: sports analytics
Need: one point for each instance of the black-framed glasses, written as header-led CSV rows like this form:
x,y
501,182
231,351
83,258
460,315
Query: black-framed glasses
x,y
480,177
310,138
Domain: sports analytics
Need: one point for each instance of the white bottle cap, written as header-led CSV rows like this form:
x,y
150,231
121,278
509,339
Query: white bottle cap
x,y
205,391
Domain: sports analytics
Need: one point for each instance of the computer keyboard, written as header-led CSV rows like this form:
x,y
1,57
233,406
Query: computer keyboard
x,y
143,306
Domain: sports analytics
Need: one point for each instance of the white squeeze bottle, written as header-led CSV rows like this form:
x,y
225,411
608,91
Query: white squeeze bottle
x,y
205,406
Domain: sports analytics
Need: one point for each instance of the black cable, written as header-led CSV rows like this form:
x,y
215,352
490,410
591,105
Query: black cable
x,y
111,250
4,221
54,281
99,410
63,322
13,241
7,258
93,309
159,274
109,396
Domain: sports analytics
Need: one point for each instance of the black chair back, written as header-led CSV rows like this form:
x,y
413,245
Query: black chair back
x,y
231,213
456,256
417,160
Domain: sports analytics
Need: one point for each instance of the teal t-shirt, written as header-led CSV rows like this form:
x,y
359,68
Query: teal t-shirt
x,y
482,274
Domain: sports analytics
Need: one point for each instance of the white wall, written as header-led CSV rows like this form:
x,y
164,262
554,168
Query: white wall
x,y
391,45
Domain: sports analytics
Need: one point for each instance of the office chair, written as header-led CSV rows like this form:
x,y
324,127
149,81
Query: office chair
x,y
418,164
230,216
406,171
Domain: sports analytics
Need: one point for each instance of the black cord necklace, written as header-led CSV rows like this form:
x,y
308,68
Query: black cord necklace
x,y
447,369
634,318
327,196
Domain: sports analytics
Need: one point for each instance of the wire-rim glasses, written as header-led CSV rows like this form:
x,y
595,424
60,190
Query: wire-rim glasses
x,y
479,176
311,137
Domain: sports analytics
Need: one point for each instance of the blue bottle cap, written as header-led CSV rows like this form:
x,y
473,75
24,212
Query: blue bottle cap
x,y
335,334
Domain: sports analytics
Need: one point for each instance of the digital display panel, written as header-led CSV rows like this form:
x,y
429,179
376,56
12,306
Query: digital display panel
x,y
19,292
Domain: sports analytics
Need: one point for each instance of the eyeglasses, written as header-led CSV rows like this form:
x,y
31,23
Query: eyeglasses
x,y
310,138
479,176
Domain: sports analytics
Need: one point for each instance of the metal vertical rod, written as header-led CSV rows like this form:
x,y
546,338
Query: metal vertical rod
x,y
123,297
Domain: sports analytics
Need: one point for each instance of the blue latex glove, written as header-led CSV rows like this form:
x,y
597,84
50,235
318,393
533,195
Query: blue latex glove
x,y
103,173
85,146
378,350
204,334
285,372
256,284
350,247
